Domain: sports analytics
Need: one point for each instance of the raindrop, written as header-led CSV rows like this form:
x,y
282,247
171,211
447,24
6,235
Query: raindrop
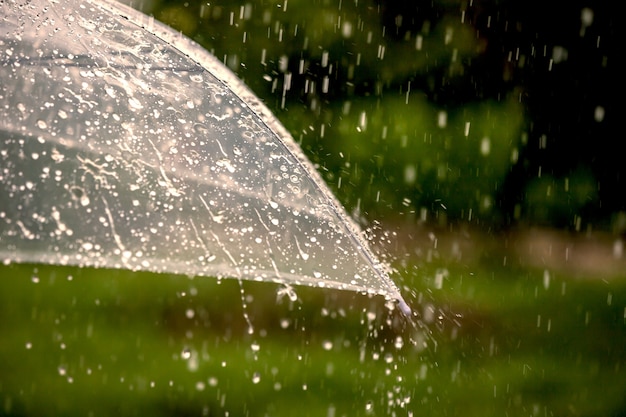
x,y
618,249
485,146
362,122
287,290
586,16
440,275
598,114
134,103
423,371
346,29
399,342
324,59
256,378
186,353
559,54
410,174
442,119
546,279
283,63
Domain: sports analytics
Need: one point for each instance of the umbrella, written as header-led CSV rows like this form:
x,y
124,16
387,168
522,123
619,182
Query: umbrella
x,y
126,145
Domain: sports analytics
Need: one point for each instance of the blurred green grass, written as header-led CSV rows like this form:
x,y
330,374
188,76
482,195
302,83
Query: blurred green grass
x,y
498,341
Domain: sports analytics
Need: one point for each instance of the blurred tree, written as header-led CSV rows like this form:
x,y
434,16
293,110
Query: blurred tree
x,y
446,110
562,56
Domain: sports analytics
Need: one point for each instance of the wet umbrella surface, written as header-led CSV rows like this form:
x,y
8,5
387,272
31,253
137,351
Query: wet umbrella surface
x,y
126,145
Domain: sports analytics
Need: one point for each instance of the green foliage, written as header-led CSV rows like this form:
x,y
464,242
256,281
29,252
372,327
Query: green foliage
x,y
424,156
362,96
560,201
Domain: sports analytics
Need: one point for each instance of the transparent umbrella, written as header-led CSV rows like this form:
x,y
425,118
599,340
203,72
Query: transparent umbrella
x,y
126,145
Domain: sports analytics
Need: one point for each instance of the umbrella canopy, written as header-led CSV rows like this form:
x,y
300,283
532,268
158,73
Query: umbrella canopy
x,y
126,145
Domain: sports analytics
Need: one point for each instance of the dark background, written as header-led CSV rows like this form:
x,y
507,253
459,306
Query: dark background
x,y
569,173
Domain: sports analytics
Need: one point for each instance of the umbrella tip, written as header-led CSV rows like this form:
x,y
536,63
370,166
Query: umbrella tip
x,y
404,307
